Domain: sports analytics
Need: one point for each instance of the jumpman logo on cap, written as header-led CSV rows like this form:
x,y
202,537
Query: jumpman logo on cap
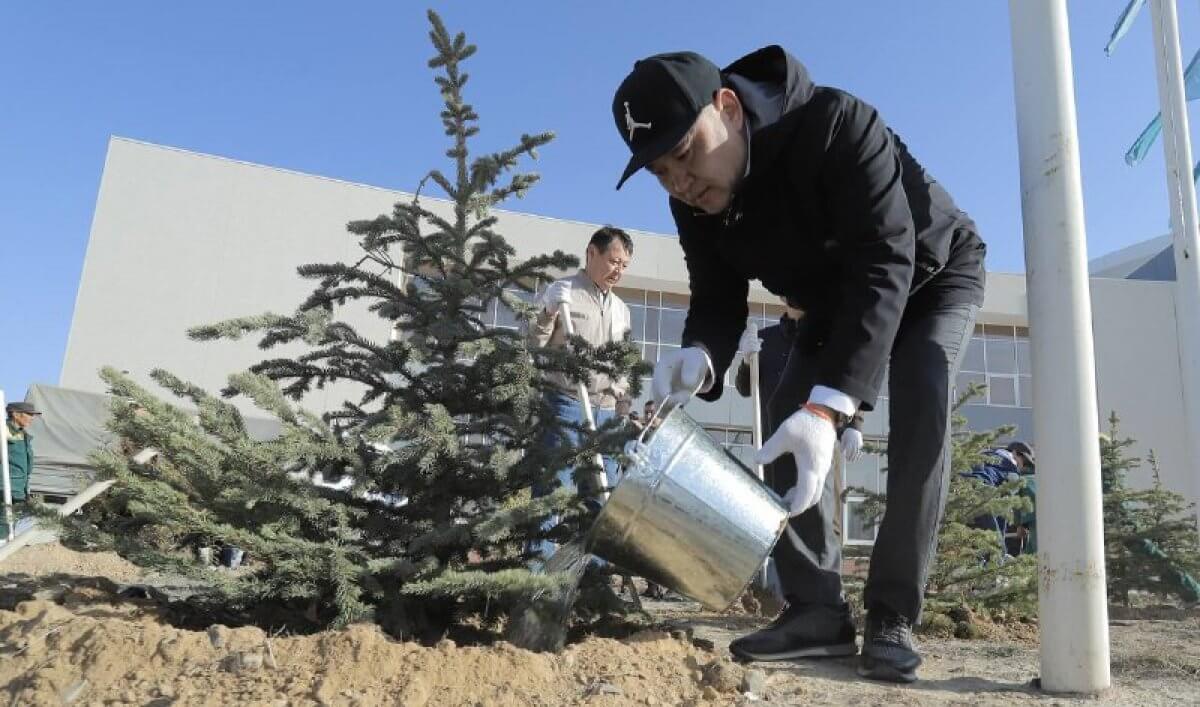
x,y
630,124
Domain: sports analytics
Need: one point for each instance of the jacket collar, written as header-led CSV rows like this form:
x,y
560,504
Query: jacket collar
x,y
582,278
770,83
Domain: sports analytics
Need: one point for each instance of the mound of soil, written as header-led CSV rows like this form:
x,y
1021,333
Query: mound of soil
x,y
77,641
100,653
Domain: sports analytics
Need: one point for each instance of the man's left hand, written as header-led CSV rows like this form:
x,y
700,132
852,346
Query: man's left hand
x,y
810,438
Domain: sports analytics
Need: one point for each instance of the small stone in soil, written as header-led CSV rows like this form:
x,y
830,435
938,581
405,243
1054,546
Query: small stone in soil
x,y
723,675
603,688
704,644
216,635
252,661
755,682
74,692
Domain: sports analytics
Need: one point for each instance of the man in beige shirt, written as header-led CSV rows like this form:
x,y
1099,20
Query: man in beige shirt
x,y
599,317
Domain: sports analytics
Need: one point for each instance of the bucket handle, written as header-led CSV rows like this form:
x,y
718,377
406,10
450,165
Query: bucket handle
x,y
662,410
641,438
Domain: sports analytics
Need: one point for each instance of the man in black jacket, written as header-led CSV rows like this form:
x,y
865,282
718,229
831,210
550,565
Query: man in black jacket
x,y
805,189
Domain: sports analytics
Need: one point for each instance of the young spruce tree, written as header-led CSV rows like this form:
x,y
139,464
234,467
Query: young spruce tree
x,y
430,523
970,574
1150,539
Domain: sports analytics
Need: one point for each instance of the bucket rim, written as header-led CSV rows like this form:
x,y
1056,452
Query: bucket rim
x,y
589,538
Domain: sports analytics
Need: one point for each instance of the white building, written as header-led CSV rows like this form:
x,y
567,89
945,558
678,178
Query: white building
x,y
180,239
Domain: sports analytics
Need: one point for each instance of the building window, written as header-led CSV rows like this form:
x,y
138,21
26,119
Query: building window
x,y
858,530
500,316
860,478
645,323
998,356
738,440
865,473
657,319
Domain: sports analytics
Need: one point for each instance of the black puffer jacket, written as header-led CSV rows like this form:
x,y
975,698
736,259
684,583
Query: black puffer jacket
x,y
836,216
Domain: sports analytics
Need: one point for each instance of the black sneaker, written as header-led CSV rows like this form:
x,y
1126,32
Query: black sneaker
x,y
655,591
888,652
801,631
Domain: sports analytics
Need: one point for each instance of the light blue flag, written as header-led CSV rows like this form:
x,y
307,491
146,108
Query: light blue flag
x,y
1124,22
1141,147
1191,88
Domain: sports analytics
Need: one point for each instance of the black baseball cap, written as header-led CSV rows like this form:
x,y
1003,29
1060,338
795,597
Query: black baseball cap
x,y
1023,449
658,102
27,408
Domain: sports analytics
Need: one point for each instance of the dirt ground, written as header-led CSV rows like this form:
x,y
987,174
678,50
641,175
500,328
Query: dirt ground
x,y
50,558
84,646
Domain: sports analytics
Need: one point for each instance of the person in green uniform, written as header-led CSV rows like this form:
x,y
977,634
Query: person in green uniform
x,y
20,455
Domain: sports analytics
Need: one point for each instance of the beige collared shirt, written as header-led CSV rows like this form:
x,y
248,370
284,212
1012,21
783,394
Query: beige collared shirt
x,y
600,318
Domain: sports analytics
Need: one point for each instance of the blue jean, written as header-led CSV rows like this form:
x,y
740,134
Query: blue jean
x,y
569,412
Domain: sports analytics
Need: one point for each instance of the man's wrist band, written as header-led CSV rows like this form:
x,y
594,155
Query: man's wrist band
x,y
820,411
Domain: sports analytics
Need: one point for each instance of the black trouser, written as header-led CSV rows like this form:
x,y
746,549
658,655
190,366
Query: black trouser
x,y
924,361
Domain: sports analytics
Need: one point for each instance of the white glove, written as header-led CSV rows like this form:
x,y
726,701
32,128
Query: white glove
x,y
750,343
809,438
679,374
1012,476
852,443
559,292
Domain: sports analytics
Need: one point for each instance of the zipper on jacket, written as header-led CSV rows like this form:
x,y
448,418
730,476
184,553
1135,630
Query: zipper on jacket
x,y
930,272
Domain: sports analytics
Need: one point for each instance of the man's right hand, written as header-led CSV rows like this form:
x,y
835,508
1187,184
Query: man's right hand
x,y
680,373
559,292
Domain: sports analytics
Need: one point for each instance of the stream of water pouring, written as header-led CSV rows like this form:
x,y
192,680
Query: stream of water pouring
x,y
542,625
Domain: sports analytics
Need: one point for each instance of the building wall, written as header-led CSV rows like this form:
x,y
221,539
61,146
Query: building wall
x,y
180,239
1137,366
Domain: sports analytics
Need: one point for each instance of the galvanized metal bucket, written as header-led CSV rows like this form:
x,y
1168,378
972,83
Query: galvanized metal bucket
x,y
689,516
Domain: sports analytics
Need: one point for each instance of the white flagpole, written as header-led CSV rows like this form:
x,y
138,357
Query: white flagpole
x,y
1072,600
1185,233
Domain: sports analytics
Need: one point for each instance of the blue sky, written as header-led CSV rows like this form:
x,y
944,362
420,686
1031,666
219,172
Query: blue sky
x,y
342,90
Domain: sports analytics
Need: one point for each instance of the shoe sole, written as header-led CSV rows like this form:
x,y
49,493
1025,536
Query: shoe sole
x,y
886,673
836,651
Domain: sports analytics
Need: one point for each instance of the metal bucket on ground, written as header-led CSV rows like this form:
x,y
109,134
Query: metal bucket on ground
x,y
689,516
